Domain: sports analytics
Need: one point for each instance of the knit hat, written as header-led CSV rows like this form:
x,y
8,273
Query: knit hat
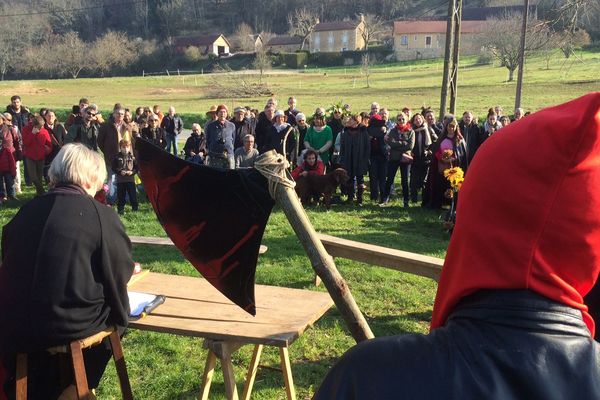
x,y
239,110
279,113
222,107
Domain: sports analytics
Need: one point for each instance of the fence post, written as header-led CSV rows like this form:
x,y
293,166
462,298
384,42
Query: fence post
x,y
143,73
168,73
177,71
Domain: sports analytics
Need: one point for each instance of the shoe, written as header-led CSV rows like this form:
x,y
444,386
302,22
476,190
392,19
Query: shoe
x,y
4,199
384,204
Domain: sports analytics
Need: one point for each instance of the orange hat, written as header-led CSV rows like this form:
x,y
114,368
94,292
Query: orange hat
x,y
212,110
222,107
528,212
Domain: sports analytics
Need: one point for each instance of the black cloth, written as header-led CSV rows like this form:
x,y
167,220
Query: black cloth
x,y
66,261
86,135
473,138
222,236
497,344
172,125
125,189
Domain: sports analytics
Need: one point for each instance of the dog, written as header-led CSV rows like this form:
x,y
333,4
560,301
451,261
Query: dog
x,y
313,186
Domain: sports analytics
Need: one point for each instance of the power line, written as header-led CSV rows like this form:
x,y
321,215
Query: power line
x,y
72,10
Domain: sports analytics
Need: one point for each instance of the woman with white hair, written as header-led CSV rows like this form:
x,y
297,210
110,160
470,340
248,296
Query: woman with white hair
x,y
68,279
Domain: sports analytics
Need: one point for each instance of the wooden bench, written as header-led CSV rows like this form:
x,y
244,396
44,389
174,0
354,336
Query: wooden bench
x,y
417,264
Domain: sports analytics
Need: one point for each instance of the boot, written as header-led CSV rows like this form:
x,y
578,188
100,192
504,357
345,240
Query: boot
x,y
359,194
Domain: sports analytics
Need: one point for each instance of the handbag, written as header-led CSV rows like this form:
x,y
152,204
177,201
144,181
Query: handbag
x,y
407,158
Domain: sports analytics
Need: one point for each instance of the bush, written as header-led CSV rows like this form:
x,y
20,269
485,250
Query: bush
x,y
294,60
485,58
327,59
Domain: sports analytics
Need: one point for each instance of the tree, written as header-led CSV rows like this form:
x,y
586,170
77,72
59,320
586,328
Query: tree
x,y
568,41
301,23
192,54
18,33
501,37
261,62
374,29
112,51
70,54
365,67
243,38
171,16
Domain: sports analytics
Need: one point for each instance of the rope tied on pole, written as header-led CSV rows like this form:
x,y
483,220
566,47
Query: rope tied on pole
x,y
274,167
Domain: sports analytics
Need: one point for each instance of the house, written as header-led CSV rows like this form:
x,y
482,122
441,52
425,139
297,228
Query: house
x,y
427,39
258,41
284,44
215,44
338,36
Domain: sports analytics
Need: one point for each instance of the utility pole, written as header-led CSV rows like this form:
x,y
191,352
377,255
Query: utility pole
x,y
451,54
522,56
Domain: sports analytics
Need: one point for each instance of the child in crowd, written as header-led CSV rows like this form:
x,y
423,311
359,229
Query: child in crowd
x,y
124,165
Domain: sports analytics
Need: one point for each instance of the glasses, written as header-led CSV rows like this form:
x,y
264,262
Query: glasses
x,y
91,114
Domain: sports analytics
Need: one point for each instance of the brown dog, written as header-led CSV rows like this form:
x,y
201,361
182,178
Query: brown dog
x,y
313,185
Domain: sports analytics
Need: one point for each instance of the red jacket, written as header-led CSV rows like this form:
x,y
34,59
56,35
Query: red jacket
x,y
36,146
319,169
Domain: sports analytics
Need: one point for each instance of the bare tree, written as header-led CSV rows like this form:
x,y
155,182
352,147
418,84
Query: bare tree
x,y
375,28
70,54
569,40
501,38
301,23
112,51
171,15
18,33
261,62
243,38
192,54
365,67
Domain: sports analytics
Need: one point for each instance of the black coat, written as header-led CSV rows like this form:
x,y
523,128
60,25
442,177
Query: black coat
x,y
355,151
497,344
195,143
155,136
66,261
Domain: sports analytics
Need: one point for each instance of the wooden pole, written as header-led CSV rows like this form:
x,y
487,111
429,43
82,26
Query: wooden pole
x,y
447,58
272,165
522,56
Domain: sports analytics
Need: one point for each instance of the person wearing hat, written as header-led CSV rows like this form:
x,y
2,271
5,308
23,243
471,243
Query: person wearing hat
x,y
282,132
211,115
242,126
220,136
513,317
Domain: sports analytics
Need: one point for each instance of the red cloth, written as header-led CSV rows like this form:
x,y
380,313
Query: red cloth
x,y
319,170
528,215
7,162
36,146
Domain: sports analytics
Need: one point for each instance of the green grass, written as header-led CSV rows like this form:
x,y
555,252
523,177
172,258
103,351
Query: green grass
x,y
170,367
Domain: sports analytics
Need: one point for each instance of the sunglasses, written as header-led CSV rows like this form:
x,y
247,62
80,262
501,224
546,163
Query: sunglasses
x,y
91,114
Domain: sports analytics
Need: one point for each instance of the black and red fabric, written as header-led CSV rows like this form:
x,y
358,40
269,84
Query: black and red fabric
x,y
215,217
528,216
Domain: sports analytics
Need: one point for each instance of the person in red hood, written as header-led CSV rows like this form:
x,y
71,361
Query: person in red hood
x,y
510,319
36,146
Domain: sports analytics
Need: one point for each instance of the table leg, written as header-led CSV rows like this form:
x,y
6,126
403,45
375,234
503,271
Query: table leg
x,y
228,373
209,369
252,368
286,369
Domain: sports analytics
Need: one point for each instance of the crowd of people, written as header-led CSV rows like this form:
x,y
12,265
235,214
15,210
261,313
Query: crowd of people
x,y
373,143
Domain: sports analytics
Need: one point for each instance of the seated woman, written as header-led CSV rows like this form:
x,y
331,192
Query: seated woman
x,y
66,261
310,165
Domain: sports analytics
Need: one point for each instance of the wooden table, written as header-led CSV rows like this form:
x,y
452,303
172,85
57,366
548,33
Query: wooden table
x,y
195,308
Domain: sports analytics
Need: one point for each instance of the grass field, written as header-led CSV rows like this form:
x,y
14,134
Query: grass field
x,y
170,367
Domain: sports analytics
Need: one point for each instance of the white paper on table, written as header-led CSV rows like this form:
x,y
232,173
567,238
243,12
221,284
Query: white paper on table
x,y
137,302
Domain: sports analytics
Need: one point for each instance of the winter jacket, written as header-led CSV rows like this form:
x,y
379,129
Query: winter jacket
x,y
123,163
86,135
377,131
400,142
19,119
36,146
171,125
7,162
57,137
195,143
155,136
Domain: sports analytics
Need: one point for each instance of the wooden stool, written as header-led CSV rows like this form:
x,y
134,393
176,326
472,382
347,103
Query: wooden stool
x,y
74,349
